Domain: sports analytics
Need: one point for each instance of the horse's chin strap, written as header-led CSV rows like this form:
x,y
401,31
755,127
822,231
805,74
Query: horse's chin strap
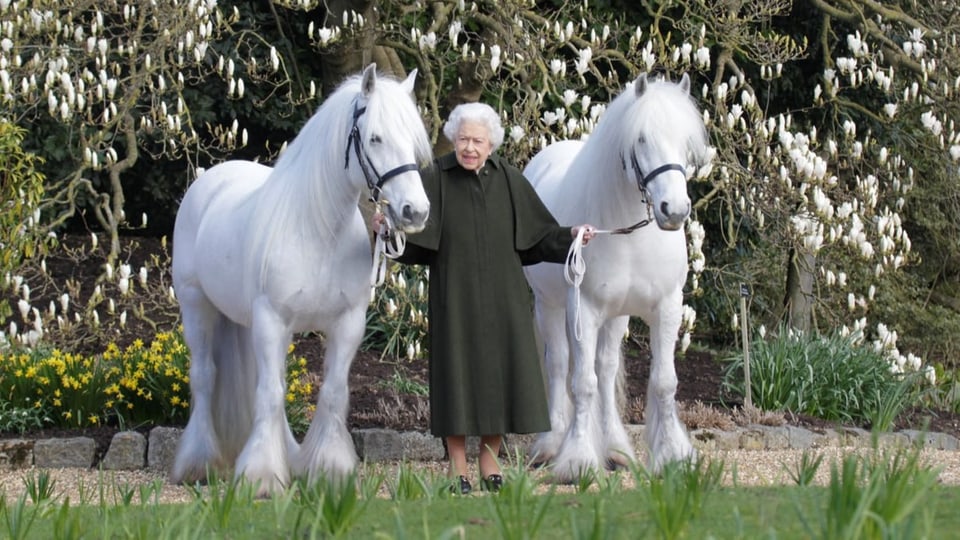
x,y
643,180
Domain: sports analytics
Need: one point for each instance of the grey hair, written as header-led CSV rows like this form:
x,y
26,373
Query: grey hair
x,y
480,113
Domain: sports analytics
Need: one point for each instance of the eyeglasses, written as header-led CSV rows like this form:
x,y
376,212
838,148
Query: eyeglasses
x,y
466,141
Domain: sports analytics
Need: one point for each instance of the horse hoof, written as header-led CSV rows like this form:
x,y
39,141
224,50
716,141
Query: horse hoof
x,y
614,464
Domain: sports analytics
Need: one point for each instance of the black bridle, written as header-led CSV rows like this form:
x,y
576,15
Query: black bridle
x,y
366,165
642,181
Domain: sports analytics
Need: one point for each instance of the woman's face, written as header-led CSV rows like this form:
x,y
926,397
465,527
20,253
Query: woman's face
x,y
473,145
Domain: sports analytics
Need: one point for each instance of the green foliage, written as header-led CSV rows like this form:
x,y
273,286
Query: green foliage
x,y
831,377
408,485
517,512
141,384
21,190
879,496
677,494
18,517
806,469
397,319
40,487
334,505
895,491
927,322
405,385
20,419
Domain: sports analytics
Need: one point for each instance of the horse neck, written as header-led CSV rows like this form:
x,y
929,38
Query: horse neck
x,y
310,193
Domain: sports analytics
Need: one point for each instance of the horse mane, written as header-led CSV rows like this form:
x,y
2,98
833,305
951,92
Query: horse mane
x,y
309,183
665,114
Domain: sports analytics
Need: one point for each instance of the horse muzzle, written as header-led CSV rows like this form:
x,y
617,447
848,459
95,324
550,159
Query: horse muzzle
x,y
409,218
671,217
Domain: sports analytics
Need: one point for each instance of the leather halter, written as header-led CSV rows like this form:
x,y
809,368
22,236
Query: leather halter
x,y
642,181
366,165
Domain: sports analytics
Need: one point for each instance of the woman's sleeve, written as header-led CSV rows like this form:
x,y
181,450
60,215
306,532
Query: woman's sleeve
x,y
552,247
414,254
539,238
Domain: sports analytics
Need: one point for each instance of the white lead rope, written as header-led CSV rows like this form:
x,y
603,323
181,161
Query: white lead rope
x,y
383,250
575,266
573,271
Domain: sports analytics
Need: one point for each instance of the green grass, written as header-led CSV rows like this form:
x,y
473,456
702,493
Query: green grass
x,y
781,512
884,494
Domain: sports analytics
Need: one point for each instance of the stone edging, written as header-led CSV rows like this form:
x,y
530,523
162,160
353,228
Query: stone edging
x,y
130,450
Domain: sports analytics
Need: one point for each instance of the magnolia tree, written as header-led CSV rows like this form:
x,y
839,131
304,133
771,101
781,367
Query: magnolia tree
x,y
106,81
98,87
803,201
820,141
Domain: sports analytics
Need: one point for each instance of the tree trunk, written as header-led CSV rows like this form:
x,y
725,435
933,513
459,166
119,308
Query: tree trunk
x,y
799,295
355,50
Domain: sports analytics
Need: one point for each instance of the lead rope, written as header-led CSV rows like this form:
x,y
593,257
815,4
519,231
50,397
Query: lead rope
x,y
573,270
390,244
575,266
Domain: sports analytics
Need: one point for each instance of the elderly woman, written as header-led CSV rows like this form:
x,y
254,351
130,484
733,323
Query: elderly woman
x,y
486,221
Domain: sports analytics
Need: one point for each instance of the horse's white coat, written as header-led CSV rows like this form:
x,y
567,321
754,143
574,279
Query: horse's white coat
x,y
641,274
260,254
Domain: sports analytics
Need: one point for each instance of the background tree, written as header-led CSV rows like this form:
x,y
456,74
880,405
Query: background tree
x,y
811,174
105,86
832,189
21,190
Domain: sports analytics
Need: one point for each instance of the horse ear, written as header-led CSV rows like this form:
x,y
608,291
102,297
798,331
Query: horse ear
x,y
685,83
410,81
369,79
640,85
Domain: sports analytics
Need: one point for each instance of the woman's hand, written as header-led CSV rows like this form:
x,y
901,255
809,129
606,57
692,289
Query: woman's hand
x,y
378,221
589,231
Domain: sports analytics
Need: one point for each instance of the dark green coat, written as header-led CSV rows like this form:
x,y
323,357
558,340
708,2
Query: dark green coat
x,y
485,374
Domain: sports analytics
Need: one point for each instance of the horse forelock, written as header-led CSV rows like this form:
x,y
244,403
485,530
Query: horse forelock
x,y
667,117
393,112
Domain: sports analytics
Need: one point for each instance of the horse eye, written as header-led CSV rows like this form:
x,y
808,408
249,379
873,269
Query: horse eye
x,y
642,139
375,139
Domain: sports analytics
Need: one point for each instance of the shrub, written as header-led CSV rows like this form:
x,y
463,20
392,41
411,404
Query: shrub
x,y
21,189
830,377
141,384
397,318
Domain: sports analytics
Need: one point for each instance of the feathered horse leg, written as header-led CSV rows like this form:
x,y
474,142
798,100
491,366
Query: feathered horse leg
x,y
199,446
263,460
327,448
580,452
666,437
551,324
617,447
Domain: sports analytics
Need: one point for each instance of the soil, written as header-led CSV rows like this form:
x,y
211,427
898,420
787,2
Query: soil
x,y
380,389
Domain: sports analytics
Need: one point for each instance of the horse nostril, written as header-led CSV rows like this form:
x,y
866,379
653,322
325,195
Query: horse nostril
x,y
407,212
665,208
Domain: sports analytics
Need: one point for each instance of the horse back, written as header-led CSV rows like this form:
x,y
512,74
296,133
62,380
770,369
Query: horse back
x,y
548,166
209,214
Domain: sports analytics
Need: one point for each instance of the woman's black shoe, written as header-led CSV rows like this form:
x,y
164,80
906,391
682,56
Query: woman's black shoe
x,y
492,483
463,485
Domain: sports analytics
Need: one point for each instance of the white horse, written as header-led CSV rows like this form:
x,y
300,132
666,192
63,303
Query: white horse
x,y
634,163
260,254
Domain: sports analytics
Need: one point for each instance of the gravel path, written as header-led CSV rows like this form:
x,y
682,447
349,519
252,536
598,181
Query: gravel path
x,y
747,467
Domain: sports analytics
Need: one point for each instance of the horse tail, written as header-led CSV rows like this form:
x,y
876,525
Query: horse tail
x,y
236,381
